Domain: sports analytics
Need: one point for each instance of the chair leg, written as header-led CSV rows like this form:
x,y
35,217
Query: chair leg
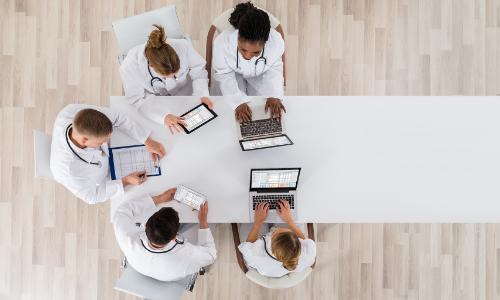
x,y
191,283
124,262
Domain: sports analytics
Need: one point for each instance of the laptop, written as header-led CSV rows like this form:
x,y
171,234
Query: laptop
x,y
271,185
262,132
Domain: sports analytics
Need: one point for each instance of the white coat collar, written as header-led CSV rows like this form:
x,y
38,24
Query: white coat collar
x,y
143,61
85,153
150,247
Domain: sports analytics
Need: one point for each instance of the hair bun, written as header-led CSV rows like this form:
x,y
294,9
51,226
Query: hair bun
x,y
291,264
239,11
157,37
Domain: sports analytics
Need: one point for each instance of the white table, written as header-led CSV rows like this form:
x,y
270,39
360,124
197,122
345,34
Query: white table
x,y
363,159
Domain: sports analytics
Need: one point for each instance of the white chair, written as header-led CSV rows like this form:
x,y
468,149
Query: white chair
x,y
222,23
148,288
43,142
282,282
135,30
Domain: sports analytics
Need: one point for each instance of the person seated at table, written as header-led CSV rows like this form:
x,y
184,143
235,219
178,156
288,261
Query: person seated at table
x,y
163,67
164,249
281,249
247,61
79,157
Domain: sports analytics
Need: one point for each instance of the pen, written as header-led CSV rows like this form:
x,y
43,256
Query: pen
x,y
142,177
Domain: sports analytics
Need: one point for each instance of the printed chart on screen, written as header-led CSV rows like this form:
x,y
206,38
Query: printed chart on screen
x,y
263,143
274,178
197,117
189,197
130,160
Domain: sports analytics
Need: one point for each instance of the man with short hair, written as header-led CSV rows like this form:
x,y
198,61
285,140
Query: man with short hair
x,y
79,157
158,251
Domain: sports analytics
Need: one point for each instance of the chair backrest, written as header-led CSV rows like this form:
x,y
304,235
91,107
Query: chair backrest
x,y
43,142
135,30
282,282
148,288
222,23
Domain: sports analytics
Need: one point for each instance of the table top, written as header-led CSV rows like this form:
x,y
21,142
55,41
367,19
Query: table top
x,y
363,159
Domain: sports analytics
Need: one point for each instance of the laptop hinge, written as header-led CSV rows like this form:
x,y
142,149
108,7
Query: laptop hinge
x,y
273,191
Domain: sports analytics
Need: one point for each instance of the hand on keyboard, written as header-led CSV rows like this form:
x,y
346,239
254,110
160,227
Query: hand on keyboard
x,y
261,212
243,113
284,211
276,106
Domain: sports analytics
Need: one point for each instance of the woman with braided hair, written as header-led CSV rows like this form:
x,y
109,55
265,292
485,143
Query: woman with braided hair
x,y
247,61
163,67
278,250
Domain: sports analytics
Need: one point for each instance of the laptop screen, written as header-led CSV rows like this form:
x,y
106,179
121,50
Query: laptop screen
x,y
266,142
274,178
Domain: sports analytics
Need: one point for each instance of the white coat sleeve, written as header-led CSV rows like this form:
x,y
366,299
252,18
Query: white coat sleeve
x,y
272,86
226,79
123,219
88,191
198,73
126,124
138,97
204,253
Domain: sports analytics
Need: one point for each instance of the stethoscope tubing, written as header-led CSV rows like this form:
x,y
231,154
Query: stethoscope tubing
x,y
256,62
67,141
176,243
153,79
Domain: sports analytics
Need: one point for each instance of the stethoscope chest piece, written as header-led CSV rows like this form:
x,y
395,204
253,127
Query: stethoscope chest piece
x,y
99,164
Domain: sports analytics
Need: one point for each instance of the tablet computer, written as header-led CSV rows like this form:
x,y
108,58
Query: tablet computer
x,y
189,197
197,117
266,142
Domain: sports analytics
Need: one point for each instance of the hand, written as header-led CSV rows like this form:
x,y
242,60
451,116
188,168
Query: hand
x,y
167,196
173,122
276,106
208,102
202,215
243,113
284,211
154,147
134,178
261,212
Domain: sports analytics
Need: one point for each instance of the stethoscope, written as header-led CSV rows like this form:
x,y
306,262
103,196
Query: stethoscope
x,y
99,164
265,248
256,63
154,79
177,242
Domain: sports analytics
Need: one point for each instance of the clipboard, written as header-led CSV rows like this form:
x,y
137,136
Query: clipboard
x,y
125,160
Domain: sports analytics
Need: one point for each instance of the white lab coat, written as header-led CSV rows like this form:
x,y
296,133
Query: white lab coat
x,y
181,261
239,84
89,182
257,258
192,79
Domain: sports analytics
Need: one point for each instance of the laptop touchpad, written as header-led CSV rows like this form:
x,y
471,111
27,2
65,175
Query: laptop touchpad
x,y
258,112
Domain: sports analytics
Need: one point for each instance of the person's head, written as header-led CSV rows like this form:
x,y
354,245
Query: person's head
x,y
162,226
91,128
286,247
253,29
162,57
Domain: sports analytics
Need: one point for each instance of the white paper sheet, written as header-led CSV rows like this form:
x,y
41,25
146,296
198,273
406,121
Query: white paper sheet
x,y
134,159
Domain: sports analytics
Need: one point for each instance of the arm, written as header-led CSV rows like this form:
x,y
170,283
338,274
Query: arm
x,y
197,72
261,212
226,79
286,214
123,219
88,191
206,245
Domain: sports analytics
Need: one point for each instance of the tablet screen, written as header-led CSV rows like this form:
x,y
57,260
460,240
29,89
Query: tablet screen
x,y
197,117
265,143
189,197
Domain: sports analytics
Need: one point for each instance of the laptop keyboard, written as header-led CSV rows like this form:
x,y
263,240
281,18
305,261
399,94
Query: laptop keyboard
x,y
260,127
273,200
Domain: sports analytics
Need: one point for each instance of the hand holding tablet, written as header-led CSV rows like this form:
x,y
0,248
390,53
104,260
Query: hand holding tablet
x,y
197,117
189,197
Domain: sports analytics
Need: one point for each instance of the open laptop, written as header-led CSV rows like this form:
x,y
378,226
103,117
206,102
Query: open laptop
x,y
270,185
262,132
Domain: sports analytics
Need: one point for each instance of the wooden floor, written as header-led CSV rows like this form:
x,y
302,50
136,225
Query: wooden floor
x,y
56,52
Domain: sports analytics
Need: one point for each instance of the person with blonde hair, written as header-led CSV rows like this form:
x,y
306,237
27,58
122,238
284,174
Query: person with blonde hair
x,y
163,67
278,250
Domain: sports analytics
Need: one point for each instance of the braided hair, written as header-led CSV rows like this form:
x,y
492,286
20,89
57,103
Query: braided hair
x,y
252,23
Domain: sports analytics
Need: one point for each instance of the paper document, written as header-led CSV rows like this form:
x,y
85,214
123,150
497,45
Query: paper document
x,y
126,160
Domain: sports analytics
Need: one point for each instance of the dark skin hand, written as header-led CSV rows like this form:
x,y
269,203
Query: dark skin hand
x,y
243,113
276,106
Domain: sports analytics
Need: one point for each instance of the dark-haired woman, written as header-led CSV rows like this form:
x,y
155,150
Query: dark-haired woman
x,y
163,67
247,61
